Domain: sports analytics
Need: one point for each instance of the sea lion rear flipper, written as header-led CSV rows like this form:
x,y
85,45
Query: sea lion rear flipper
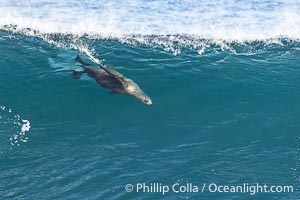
x,y
78,59
77,74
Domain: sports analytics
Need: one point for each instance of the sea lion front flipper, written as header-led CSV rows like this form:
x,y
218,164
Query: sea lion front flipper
x,y
109,82
114,92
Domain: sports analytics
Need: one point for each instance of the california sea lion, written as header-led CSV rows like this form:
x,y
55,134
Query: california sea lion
x,y
113,80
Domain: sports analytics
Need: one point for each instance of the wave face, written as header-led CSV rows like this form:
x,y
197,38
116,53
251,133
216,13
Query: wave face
x,y
225,19
223,112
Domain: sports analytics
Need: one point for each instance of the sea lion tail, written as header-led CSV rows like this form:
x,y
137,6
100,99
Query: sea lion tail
x,y
78,59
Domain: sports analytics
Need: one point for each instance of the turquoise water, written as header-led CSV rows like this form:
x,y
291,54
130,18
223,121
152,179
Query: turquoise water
x,y
225,117
224,78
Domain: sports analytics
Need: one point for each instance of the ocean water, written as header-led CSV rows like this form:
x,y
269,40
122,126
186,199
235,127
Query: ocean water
x,y
224,78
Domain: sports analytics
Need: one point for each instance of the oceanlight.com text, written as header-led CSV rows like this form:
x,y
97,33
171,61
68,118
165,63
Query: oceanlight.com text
x,y
247,188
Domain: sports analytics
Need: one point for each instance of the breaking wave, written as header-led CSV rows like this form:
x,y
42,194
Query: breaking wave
x,y
225,19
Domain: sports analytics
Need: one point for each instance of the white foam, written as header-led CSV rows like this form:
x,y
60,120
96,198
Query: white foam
x,y
25,126
21,126
223,19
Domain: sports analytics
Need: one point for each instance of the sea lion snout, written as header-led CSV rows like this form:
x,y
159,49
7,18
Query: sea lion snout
x,y
146,100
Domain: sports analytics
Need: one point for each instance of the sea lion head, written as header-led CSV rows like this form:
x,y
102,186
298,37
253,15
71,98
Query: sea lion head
x,y
134,90
144,99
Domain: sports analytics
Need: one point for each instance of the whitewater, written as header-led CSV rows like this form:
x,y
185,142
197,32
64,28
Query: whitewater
x,y
226,19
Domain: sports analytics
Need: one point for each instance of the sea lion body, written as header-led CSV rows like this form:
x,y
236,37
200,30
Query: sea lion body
x,y
111,79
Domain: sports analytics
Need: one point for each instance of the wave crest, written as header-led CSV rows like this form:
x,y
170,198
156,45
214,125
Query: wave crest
x,y
227,20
